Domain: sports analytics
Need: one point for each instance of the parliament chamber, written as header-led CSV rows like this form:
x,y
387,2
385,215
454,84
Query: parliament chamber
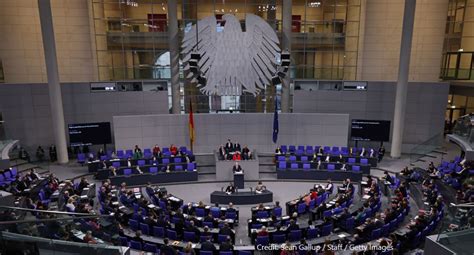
x,y
280,127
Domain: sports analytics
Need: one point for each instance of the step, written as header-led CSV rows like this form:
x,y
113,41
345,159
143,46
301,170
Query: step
x,y
206,169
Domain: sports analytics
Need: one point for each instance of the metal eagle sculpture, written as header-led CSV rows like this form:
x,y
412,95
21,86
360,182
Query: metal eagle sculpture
x,y
231,61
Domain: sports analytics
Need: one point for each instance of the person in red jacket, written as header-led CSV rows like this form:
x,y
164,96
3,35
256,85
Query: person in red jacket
x,y
237,156
173,150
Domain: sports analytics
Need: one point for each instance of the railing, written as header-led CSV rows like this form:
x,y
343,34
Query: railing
x,y
426,147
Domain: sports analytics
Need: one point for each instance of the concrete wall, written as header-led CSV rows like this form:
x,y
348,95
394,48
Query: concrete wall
x,y
21,47
212,130
27,115
425,109
382,35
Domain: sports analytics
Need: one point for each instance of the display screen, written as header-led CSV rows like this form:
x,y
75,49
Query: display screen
x,y
370,130
89,133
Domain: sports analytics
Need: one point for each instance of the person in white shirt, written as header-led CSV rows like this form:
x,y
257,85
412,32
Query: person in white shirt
x,y
362,153
319,165
328,158
343,167
372,153
139,170
329,186
70,205
129,163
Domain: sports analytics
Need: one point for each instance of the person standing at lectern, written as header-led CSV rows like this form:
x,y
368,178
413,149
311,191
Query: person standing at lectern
x,y
236,168
230,189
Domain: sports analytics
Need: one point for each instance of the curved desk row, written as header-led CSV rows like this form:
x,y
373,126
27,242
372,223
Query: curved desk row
x,y
242,198
141,179
152,169
372,161
96,165
310,174
336,166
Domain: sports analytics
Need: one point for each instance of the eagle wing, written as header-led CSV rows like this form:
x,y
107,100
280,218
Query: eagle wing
x,y
262,47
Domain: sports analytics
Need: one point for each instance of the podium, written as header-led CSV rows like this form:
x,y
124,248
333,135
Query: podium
x,y
239,180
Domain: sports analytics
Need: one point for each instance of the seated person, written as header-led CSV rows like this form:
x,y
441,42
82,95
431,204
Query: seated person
x,y
237,168
263,232
328,158
173,150
237,147
137,152
100,153
406,172
230,189
260,187
236,156
329,186
222,153
278,151
363,152
387,178
156,151
229,147
372,153
246,153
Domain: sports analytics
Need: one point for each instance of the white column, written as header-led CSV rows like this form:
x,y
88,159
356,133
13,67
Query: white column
x,y
402,83
55,97
173,43
286,45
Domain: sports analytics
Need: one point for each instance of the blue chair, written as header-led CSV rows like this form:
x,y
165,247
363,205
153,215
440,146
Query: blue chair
x,y
189,236
299,152
292,158
116,164
178,168
284,149
282,165
215,212
295,235
190,167
231,215
306,166
135,245
221,238
166,161
279,239
151,248
327,214
364,161
385,230
158,231
262,214
312,204
120,154
331,167
326,230
356,168
277,211
263,240
312,233
177,160
81,158
375,234
304,158
351,160
291,148
133,224
301,208
141,162
294,166
145,228
153,170
200,212
348,224
281,158
171,234
127,171
123,241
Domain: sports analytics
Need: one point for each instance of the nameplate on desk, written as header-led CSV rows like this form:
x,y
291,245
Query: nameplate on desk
x,y
85,189
84,197
151,206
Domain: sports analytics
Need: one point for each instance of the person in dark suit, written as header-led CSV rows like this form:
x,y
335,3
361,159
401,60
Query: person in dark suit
x,y
226,245
192,228
53,155
138,237
387,178
246,154
329,186
230,189
229,147
381,153
237,146
225,230
293,226
166,249
207,245
236,168
222,153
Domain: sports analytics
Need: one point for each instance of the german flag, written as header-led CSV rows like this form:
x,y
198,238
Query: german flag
x,y
191,125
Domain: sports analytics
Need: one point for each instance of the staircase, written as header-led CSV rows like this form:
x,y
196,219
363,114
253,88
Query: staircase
x,y
267,166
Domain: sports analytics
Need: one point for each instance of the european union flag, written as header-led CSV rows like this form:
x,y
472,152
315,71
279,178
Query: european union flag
x,y
275,122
